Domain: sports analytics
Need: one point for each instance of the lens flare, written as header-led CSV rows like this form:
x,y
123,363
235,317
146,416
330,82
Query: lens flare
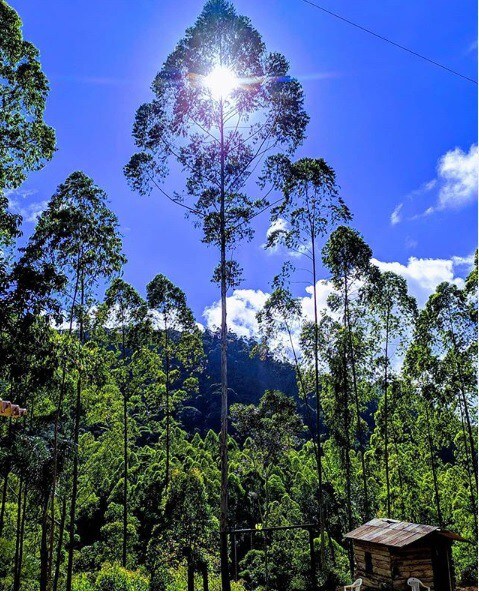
x,y
221,82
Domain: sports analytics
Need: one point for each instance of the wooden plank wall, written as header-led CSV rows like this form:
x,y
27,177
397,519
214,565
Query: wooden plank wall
x,y
412,562
392,567
381,578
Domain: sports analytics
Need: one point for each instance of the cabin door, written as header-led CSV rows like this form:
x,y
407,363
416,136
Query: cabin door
x,y
441,565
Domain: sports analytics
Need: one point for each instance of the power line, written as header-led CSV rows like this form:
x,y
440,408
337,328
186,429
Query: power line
x,y
414,53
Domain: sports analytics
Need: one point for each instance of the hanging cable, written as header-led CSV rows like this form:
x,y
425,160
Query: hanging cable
x,y
366,30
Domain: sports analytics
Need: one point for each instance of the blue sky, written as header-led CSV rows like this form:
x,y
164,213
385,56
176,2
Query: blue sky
x,y
396,129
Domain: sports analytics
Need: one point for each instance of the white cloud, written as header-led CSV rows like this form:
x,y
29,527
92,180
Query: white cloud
x,y
396,215
464,261
29,211
242,307
457,171
278,224
456,184
282,224
410,243
424,275
472,47
323,289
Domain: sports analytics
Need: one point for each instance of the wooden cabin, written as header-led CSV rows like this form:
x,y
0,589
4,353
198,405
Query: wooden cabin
x,y
388,552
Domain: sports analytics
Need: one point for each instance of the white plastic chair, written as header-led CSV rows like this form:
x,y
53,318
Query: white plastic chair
x,y
416,584
355,585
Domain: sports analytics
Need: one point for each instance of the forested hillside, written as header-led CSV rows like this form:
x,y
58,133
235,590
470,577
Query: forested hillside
x,y
148,441
250,376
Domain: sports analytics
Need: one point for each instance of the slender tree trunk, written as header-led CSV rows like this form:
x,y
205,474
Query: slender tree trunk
x,y
76,435
303,394
359,429
346,432
167,415
5,483
399,469
472,489
204,574
318,405
469,430
4,499
386,417
348,479
225,576
22,538
190,570
16,570
433,467
58,415
44,556
464,399
60,544
125,456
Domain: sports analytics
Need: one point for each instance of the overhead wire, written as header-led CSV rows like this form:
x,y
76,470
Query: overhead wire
x,y
387,40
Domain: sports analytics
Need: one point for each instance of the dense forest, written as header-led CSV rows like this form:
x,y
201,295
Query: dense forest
x,y
147,438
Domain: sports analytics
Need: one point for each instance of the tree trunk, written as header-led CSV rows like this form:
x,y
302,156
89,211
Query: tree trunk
x,y
4,499
433,467
399,469
125,458
225,576
22,537
359,430
76,435
472,489
464,400
318,406
346,433
386,418
190,570
44,556
167,415
16,568
204,574
60,544
58,416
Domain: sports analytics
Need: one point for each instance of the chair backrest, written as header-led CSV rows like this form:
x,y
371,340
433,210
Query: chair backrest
x,y
357,584
416,584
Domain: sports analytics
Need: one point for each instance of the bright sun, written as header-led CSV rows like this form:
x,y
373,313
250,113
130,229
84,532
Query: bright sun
x,y
221,81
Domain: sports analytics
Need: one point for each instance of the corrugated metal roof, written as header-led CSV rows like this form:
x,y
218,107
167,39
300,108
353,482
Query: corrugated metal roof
x,y
383,531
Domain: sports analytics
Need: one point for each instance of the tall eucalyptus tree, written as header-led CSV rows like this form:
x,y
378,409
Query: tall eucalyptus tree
x,y
278,320
124,317
348,257
181,348
443,356
309,208
221,103
78,235
447,326
420,370
393,312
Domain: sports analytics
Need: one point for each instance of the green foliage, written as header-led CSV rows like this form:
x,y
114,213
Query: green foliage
x,y
114,577
110,482
27,142
183,118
